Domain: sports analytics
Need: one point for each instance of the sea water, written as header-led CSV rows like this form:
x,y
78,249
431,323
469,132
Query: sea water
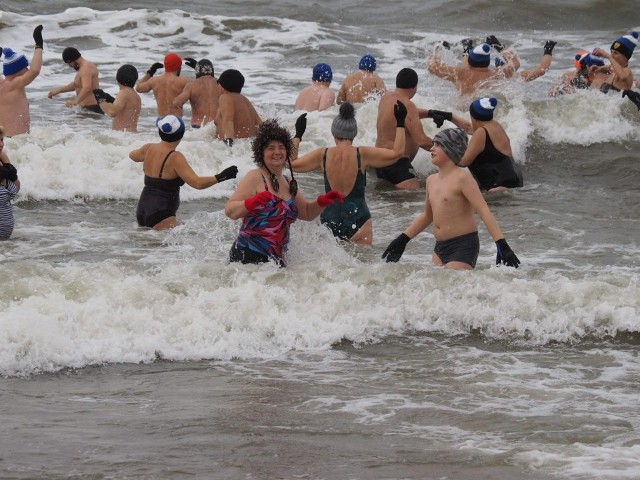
x,y
128,353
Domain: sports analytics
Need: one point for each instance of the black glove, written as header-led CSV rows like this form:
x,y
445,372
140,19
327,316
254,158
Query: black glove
x,y
102,96
494,42
191,62
0,51
400,112
505,254
227,174
467,45
633,96
10,172
37,36
3,173
396,248
151,72
446,45
548,47
301,126
228,142
439,116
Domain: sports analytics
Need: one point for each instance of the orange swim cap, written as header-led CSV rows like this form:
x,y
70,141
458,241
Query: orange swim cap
x,y
579,57
172,62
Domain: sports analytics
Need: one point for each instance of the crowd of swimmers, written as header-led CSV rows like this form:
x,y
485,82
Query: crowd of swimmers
x,y
267,199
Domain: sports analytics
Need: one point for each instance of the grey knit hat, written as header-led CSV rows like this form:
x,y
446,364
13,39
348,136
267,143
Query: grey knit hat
x,y
345,125
453,141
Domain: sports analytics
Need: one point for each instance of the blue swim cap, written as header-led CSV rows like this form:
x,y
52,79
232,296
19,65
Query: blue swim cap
x,y
368,62
322,73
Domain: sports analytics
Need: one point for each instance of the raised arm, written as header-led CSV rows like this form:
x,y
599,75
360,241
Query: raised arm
x,y
436,66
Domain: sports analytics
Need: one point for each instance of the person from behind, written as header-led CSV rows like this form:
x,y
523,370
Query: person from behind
x,y
165,87
125,108
345,170
362,85
9,187
83,84
475,71
165,171
268,202
14,111
202,93
452,199
236,116
488,155
401,173
318,96
619,75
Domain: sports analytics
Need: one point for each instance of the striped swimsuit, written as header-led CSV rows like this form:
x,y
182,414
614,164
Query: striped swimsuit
x,y
7,193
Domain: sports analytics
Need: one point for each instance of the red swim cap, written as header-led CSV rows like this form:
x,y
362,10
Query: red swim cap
x,y
172,62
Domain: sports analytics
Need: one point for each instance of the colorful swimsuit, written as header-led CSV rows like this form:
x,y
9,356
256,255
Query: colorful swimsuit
x,y
492,168
345,219
264,233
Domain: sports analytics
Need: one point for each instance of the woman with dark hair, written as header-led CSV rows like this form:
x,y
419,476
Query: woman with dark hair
x,y
268,202
165,171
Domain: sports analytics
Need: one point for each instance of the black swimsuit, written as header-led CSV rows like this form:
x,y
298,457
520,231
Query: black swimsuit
x,y
159,199
492,168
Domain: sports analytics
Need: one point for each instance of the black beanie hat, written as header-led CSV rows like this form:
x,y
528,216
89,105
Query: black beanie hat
x,y
127,75
407,78
70,54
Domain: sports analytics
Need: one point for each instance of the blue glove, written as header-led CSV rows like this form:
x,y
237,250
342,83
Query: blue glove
x,y
396,248
505,254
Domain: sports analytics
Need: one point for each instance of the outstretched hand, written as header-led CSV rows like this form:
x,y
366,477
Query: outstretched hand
x,y
467,45
227,174
191,62
37,36
495,43
259,200
154,68
400,112
329,198
505,254
396,248
548,47
301,126
102,96
633,96
439,116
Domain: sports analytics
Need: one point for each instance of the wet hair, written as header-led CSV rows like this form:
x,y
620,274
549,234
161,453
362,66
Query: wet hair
x,y
267,132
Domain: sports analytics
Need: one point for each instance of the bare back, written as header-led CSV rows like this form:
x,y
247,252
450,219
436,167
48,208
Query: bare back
x,y
360,86
236,117
127,110
85,81
166,88
342,168
316,97
386,124
203,96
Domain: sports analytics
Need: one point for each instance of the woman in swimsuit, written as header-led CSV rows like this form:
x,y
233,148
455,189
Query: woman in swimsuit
x,y
9,187
268,202
344,167
165,171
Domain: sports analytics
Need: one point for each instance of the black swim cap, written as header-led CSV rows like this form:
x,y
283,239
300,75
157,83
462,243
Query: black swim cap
x,y
231,80
407,78
127,75
204,67
70,54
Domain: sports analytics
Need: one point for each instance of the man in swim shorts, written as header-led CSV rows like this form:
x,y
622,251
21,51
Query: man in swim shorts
x,y
453,198
401,174
84,83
